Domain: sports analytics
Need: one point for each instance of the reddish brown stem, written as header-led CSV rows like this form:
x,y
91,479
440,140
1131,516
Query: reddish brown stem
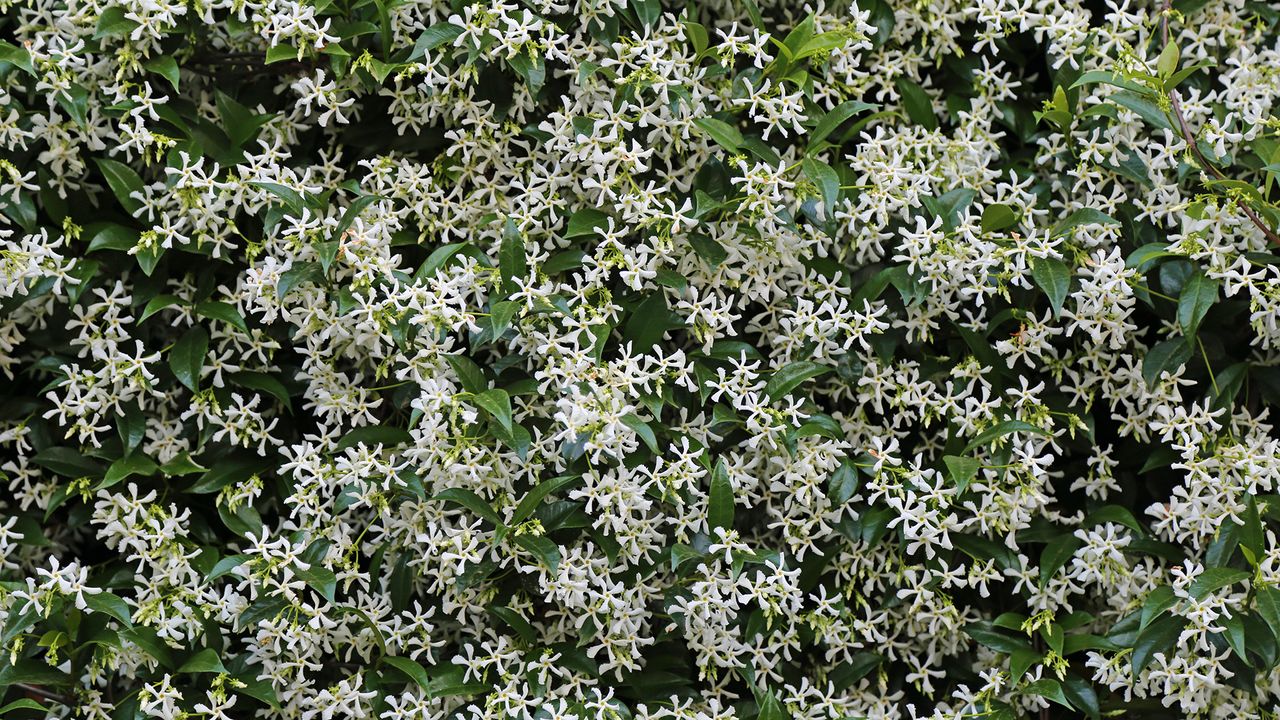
x,y
1175,105
44,694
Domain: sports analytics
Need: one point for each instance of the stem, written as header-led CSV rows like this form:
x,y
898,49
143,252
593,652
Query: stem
x,y
1205,356
1175,105
41,692
1153,293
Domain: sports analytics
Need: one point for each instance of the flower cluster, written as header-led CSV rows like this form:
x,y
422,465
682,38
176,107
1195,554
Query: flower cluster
x,y
728,360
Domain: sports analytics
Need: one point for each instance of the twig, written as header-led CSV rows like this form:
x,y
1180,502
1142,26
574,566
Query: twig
x,y
218,67
243,63
41,692
1175,105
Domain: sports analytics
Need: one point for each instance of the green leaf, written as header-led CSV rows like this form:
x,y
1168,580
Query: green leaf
x,y
1158,637
75,102
225,312
470,376
512,263
1056,554
999,430
470,501
1252,531
1144,107
1049,689
227,471
708,249
833,119
20,618
1054,277
126,467
148,258
1228,384
260,690
1020,662
986,634
697,34
166,67
19,57
30,671
789,377
123,182
724,134
114,237
797,37
67,462
681,554
532,68
949,205
843,484
497,403
1198,296
649,322
515,621
961,469
1167,63
327,252
585,222
1176,78
23,704
151,644
720,505
1268,607
281,53
204,661
534,497
822,46
433,37
158,303
1213,579
132,427
226,566
297,275
262,382
187,356
917,103
770,708
998,216
643,430
319,578
1113,514
291,198
410,668
352,212
542,548
238,122
1109,77
1166,356
452,682
1235,635
1079,218
372,435
109,604
500,316
826,179
182,465
563,261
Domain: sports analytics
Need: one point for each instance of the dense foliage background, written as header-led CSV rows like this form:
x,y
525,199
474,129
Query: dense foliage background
x,y
595,359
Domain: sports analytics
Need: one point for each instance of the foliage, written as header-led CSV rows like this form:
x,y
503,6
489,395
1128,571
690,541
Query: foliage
x,y
625,359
